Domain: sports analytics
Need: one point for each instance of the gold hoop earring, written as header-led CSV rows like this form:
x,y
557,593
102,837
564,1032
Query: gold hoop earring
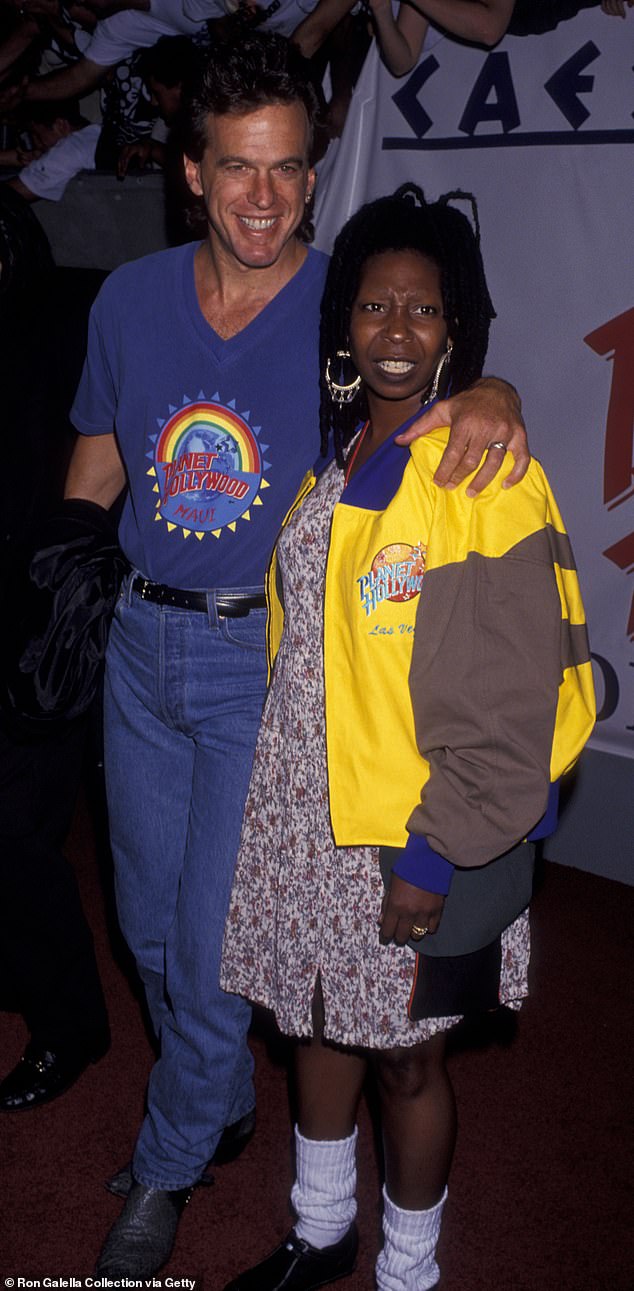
x,y
341,393
446,359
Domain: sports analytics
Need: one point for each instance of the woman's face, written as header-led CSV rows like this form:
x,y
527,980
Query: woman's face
x,y
397,330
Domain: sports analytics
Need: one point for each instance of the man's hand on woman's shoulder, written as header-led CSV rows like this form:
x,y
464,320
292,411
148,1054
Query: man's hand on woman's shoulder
x,y
485,420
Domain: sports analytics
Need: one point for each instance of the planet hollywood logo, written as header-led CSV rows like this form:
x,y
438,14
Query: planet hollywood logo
x,y
207,467
396,574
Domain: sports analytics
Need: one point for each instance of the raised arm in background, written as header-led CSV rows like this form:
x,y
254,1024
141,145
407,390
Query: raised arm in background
x,y
316,28
401,38
68,82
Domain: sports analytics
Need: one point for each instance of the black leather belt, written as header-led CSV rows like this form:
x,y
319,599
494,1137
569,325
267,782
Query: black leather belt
x,y
228,607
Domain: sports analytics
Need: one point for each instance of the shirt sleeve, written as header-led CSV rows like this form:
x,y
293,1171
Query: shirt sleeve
x,y
49,175
421,866
95,405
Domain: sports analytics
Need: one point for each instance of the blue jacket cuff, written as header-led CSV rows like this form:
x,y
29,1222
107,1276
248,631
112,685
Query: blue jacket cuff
x,y
548,823
419,864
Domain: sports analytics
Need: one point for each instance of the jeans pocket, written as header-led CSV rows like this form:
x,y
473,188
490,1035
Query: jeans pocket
x,y
249,632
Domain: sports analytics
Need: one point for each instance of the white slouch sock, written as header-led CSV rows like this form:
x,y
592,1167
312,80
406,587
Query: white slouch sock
x,y
407,1261
323,1194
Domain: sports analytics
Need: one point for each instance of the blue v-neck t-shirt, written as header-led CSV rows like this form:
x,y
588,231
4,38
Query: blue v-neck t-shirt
x,y
215,434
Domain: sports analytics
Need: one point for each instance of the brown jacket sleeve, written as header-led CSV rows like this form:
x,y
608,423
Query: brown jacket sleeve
x,y
484,681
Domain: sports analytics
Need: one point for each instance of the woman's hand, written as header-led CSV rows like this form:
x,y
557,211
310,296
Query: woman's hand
x,y
406,908
486,418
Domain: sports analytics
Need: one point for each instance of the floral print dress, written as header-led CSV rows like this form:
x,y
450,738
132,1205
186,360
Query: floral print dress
x,y
302,908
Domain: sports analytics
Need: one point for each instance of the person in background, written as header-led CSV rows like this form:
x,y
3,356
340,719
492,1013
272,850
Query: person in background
x,y
165,68
114,40
38,129
119,35
127,117
48,970
400,35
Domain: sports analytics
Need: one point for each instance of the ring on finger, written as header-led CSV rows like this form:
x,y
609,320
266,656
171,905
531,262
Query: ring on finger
x,y
417,932
496,443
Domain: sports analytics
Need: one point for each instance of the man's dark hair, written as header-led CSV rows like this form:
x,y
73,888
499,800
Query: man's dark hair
x,y
407,222
242,75
173,60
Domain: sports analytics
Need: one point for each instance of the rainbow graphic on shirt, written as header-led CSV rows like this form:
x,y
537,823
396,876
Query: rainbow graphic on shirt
x,y
207,467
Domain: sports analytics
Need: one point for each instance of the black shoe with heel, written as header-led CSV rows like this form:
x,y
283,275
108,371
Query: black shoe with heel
x,y
142,1239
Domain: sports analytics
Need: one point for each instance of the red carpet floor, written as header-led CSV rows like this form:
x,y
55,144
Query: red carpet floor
x,y
541,1189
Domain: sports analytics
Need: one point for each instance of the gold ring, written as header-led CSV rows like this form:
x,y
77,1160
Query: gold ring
x,y
417,932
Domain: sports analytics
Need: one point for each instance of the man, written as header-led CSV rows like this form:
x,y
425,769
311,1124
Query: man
x,y
204,360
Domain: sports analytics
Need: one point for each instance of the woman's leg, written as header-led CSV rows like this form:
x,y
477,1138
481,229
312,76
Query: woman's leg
x,y
323,1245
329,1082
419,1131
419,1122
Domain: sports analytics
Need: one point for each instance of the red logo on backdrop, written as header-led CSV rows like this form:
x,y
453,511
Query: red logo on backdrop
x,y
615,339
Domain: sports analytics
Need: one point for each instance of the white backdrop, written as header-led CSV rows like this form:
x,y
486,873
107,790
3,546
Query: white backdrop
x,y
541,131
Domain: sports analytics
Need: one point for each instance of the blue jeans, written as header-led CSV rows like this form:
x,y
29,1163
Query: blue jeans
x,y
183,699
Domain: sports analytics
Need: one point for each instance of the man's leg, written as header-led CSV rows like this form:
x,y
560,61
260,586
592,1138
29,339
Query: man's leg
x,y
148,766
203,1078
183,704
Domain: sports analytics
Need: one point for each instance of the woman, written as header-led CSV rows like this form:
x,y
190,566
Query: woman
x,y
428,642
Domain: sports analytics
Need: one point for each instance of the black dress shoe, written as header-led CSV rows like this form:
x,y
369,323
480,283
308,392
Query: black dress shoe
x,y
43,1074
142,1240
232,1142
295,1265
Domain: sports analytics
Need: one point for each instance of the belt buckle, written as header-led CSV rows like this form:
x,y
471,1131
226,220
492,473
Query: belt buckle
x,y
142,590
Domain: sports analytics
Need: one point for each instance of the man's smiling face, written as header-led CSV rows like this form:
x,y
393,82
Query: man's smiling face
x,y
255,181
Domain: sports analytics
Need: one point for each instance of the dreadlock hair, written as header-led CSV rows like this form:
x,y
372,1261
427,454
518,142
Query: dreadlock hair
x,y
406,222
241,75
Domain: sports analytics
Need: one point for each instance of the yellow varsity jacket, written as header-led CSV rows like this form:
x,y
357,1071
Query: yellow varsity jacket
x,y
457,671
